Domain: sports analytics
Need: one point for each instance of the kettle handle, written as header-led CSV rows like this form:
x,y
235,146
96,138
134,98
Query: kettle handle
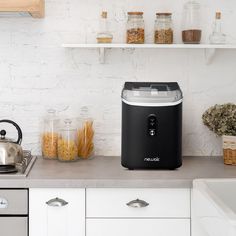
x,y
19,140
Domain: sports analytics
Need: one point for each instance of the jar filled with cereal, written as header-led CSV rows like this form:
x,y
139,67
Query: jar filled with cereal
x,y
135,28
67,142
163,29
50,135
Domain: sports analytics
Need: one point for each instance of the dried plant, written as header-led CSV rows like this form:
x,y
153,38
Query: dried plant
x,y
221,119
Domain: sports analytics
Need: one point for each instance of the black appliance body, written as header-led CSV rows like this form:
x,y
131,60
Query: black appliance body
x,y
151,126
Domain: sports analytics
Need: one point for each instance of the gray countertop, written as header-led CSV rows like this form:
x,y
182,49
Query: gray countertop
x,y
107,172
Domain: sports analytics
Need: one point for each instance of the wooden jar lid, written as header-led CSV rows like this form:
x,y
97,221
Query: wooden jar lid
x,y
139,13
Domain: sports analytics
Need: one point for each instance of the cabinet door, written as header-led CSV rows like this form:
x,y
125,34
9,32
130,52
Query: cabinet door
x,y
138,227
57,212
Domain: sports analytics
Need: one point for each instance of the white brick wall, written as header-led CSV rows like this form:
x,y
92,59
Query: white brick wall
x,y
36,73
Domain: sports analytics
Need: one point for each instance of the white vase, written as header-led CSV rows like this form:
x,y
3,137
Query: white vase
x,y
229,149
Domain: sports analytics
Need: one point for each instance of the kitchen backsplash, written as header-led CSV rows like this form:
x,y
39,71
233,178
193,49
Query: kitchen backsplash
x,y
37,73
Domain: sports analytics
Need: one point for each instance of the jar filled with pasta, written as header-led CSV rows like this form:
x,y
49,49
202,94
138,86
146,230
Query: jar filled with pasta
x,y
135,28
50,135
85,139
67,143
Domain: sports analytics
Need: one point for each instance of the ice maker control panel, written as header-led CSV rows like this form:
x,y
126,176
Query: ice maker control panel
x,y
152,125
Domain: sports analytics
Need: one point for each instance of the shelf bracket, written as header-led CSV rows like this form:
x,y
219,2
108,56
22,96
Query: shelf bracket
x,y
102,55
209,55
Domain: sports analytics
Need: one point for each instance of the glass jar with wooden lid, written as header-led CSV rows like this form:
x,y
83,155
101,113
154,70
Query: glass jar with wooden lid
x,y
163,29
135,28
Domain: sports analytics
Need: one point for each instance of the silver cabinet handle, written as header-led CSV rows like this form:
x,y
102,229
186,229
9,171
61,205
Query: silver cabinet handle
x,y
137,204
3,203
56,202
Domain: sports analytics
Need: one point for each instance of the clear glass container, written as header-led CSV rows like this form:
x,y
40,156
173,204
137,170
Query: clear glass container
x,y
192,31
67,142
163,29
50,135
85,138
104,36
217,37
135,28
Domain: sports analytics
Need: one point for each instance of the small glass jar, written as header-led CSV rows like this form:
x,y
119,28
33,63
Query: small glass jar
x,y
191,33
163,29
217,37
104,35
67,143
50,135
85,138
135,28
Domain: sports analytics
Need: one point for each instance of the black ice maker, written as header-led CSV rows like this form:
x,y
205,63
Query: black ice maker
x,y
151,126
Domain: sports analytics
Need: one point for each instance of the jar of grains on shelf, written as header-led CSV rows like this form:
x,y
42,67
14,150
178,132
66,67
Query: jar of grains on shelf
x,y
135,28
163,29
50,135
67,143
85,138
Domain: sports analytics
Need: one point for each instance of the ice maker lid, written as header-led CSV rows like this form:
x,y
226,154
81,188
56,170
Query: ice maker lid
x,y
135,93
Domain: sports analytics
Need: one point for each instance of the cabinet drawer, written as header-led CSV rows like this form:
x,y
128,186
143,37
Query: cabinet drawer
x,y
14,201
138,227
163,203
14,226
57,212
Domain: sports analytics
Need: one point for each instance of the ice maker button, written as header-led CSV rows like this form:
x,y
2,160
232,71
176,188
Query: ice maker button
x,y
152,132
152,118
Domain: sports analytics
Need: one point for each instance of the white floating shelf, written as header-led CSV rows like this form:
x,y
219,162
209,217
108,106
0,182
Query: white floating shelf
x,y
183,46
210,49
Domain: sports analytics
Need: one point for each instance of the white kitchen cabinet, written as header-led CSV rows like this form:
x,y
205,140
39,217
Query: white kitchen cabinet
x,y
109,211
138,227
151,212
57,212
